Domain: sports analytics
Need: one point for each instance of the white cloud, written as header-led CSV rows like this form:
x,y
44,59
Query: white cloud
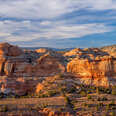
x,y
13,31
73,31
48,10
35,9
46,23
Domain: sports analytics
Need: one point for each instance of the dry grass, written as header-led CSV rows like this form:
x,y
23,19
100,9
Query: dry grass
x,y
21,101
30,105
93,106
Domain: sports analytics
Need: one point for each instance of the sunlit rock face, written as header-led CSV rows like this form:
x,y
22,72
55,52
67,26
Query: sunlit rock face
x,y
27,66
15,62
9,50
22,70
94,67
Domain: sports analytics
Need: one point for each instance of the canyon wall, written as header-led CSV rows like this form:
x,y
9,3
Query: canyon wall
x,y
93,66
22,70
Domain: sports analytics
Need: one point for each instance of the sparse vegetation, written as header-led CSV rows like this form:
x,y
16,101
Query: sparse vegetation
x,y
89,97
83,93
102,99
114,90
3,108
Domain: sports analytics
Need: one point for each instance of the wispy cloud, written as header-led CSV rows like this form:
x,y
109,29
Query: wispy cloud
x,y
28,31
38,19
35,9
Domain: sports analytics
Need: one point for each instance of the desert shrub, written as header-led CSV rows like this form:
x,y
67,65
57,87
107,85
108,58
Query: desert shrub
x,y
89,91
89,97
107,107
98,90
112,113
42,95
62,89
67,100
99,105
1,95
44,105
103,90
75,108
92,87
112,103
72,90
114,90
87,105
60,75
48,93
108,91
83,93
51,93
102,99
3,108
111,106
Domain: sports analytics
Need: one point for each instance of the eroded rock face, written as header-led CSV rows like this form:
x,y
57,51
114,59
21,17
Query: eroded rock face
x,y
9,50
18,86
43,51
23,70
94,67
16,64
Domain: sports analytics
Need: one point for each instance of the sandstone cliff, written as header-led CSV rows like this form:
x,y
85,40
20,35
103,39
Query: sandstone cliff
x,y
27,66
22,71
93,66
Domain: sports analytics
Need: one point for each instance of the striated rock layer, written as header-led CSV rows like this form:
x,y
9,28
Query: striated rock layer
x,y
20,70
93,66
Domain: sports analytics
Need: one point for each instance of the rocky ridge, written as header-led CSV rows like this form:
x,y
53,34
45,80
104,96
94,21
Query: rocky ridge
x,y
92,66
22,70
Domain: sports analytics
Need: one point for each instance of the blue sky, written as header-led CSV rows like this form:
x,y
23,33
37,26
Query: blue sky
x,y
58,23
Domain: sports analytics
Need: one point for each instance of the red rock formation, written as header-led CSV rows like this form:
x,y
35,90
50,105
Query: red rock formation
x,y
98,67
91,66
9,50
14,63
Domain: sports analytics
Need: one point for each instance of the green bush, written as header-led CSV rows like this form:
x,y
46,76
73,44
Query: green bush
x,y
3,108
114,90
112,103
89,97
98,90
107,107
51,93
102,99
48,93
83,93
67,100
112,113
72,90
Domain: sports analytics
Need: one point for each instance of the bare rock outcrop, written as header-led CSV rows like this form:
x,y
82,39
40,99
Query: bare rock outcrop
x,y
9,50
90,66
28,65
94,67
15,62
43,51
